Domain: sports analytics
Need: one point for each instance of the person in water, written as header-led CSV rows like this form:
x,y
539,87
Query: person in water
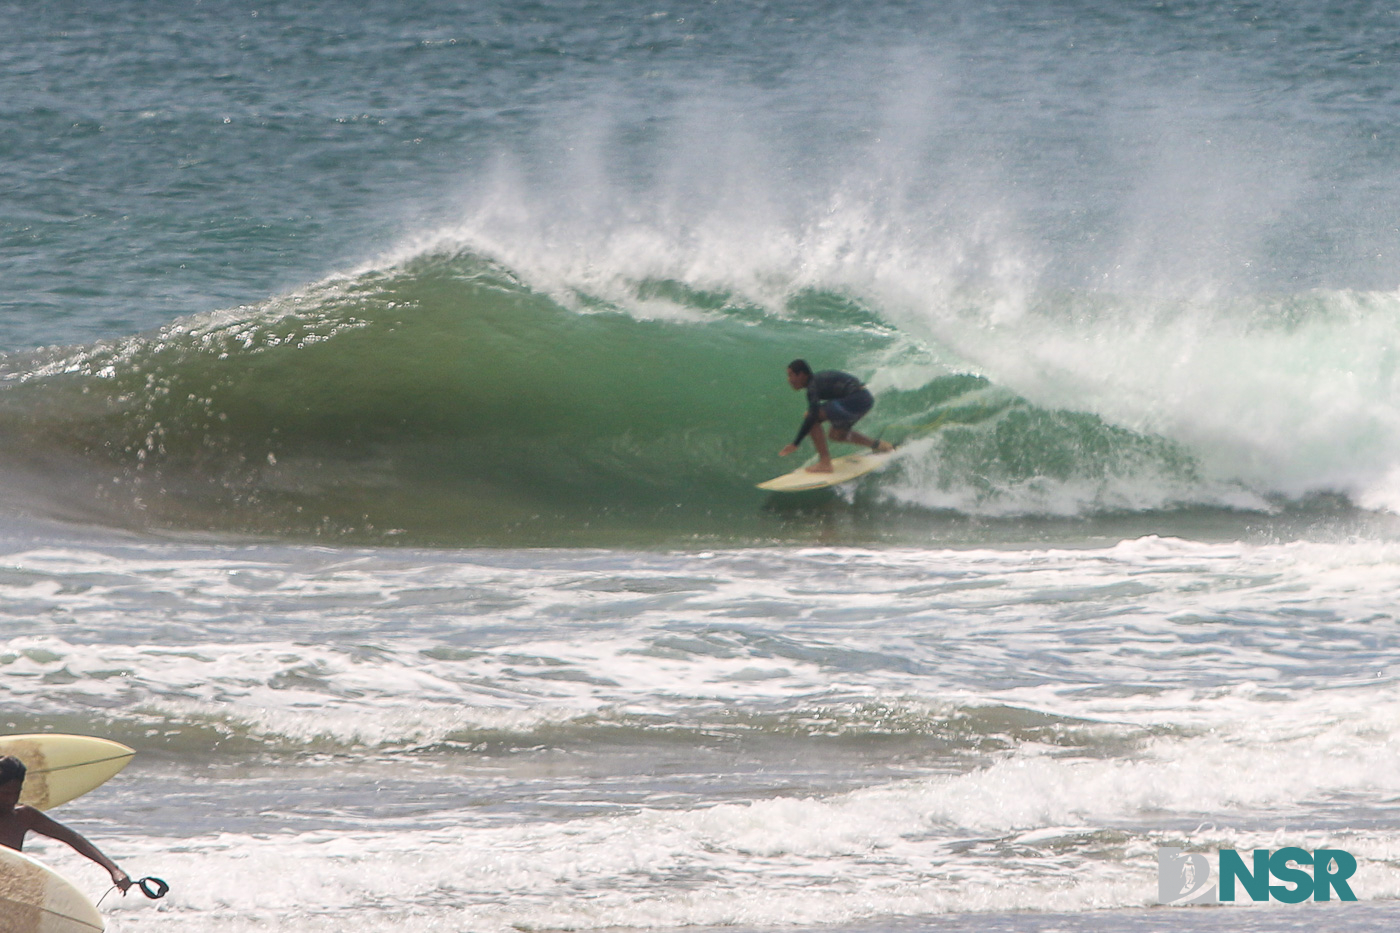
x,y
840,400
16,820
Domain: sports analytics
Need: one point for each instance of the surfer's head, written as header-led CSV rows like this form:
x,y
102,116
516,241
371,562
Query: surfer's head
x,y
11,782
11,769
799,374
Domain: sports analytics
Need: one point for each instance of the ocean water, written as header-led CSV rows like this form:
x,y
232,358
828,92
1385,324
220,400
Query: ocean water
x,y
383,388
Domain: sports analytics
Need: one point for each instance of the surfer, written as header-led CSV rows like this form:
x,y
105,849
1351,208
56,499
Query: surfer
x,y
16,820
834,397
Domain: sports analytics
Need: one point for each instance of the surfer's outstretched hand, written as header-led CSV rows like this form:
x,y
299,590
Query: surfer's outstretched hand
x,y
790,448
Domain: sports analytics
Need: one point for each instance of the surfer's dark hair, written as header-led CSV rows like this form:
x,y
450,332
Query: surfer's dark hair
x,y
11,769
800,367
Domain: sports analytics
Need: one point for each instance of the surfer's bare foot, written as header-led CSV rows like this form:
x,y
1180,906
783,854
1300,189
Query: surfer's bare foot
x,y
821,468
884,447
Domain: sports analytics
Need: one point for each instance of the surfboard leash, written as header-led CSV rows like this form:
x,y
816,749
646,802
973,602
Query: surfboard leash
x,y
151,886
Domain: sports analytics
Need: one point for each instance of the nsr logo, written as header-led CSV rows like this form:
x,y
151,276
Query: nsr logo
x,y
1184,877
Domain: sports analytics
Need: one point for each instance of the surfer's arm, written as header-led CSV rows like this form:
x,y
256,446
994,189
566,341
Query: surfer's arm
x,y
814,415
42,824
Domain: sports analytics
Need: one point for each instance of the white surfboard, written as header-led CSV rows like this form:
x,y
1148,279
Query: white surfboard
x,y
61,767
844,469
36,899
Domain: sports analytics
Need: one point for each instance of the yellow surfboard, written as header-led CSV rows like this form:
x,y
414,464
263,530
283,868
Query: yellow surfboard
x,y
844,469
36,899
61,767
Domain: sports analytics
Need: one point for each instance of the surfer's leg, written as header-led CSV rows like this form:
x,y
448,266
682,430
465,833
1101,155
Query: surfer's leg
x,y
846,436
844,413
855,437
823,464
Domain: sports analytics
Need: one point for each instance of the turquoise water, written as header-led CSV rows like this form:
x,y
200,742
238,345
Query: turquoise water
x,y
384,388
444,402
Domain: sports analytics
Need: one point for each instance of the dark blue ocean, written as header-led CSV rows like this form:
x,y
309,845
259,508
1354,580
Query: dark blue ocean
x,y
383,388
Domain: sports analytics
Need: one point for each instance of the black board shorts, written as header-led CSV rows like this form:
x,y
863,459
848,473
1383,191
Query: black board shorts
x,y
843,413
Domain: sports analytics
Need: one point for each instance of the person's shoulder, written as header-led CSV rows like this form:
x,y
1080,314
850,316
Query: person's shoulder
x,y
21,815
31,816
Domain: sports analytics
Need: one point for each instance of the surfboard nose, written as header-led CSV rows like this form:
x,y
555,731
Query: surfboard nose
x,y
61,767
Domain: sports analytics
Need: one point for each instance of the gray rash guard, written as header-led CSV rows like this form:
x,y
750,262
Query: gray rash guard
x,y
825,386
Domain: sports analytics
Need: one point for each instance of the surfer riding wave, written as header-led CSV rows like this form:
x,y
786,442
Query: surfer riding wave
x,y
836,398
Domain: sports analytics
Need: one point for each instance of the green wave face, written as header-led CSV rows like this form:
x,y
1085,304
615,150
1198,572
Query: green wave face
x,y
444,402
